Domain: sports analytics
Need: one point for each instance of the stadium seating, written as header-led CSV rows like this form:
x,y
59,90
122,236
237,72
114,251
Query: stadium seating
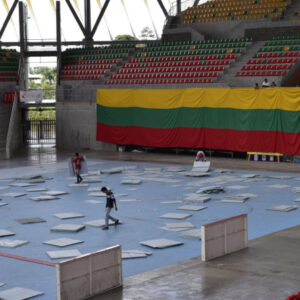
x,y
92,63
179,62
276,58
220,10
9,64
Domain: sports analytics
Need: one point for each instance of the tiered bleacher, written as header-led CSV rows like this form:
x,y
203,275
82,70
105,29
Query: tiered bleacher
x,y
9,64
180,62
230,10
276,58
92,63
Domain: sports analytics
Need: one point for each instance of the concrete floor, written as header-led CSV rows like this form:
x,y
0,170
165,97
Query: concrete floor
x,y
268,269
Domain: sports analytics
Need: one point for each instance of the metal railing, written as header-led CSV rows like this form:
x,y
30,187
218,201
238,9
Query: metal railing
x,y
39,132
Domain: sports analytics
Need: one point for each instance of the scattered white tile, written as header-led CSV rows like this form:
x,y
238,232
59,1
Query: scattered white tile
x,y
21,184
296,190
63,253
233,200
191,234
37,189
3,204
94,201
4,232
197,198
19,293
121,195
191,207
131,181
171,202
297,200
95,189
30,220
195,174
279,186
69,215
129,200
8,243
179,226
132,189
43,198
99,194
2,188
91,180
284,208
62,242
161,243
112,171
249,195
175,216
100,223
248,175
78,184
68,227
13,195
134,254
223,171
280,177
237,187
54,193
2,284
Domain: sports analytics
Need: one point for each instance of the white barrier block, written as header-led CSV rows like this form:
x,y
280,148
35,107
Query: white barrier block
x,y
224,237
89,275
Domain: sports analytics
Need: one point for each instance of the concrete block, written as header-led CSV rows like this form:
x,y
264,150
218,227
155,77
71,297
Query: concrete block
x,y
89,275
224,237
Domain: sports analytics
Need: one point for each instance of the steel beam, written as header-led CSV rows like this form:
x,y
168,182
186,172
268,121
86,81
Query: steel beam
x,y
40,53
76,17
21,28
100,17
196,2
11,11
163,8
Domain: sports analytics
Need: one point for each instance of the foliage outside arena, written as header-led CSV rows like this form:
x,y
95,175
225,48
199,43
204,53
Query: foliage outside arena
x,y
41,113
47,82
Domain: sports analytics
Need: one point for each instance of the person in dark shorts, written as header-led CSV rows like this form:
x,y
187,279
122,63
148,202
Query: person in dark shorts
x,y
110,203
76,163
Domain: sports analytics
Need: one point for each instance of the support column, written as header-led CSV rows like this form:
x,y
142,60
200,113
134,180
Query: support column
x,y
178,6
87,20
58,42
23,81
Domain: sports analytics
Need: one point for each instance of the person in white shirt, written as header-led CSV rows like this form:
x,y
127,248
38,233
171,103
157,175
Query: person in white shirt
x,y
265,83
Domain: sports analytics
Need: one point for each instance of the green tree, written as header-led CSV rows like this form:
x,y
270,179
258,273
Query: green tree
x,y
147,34
48,82
124,37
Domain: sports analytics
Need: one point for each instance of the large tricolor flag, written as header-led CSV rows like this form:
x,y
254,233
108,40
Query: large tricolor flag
x,y
262,120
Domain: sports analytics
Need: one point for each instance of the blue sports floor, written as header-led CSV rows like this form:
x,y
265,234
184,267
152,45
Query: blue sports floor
x,y
141,219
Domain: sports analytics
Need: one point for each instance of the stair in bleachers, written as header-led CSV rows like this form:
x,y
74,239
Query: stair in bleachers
x,y
92,63
230,78
186,62
275,59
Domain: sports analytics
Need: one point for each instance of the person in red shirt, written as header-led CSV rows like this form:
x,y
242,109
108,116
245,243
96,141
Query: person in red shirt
x,y
200,156
76,162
